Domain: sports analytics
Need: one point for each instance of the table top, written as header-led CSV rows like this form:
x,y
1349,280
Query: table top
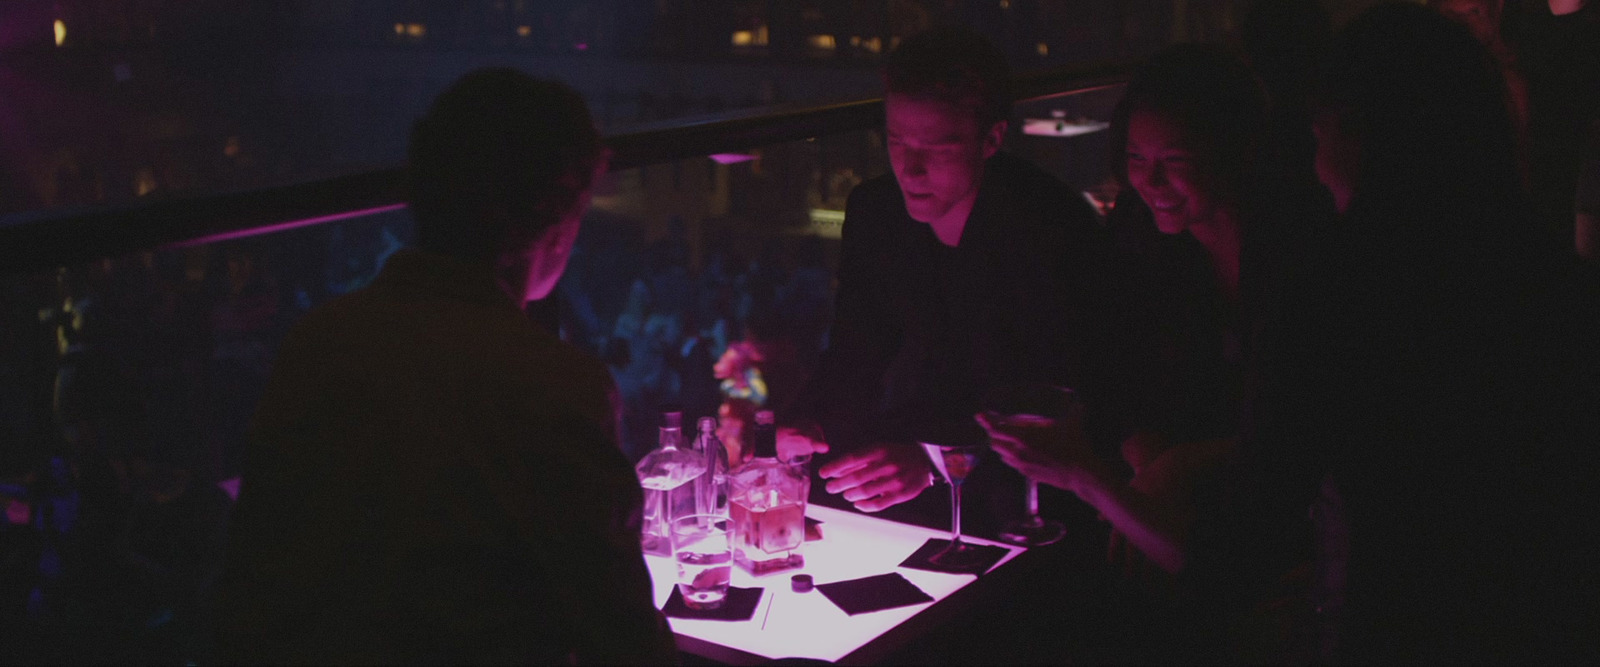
x,y
787,624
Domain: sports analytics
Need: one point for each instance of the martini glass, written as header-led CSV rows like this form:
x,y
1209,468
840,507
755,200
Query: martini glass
x,y
1035,404
955,463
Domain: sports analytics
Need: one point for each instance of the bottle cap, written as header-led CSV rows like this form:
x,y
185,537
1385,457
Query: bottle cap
x,y
765,418
708,424
672,418
801,583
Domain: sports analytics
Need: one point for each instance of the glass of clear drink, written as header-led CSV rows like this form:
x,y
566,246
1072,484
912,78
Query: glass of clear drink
x,y
955,463
701,548
1038,404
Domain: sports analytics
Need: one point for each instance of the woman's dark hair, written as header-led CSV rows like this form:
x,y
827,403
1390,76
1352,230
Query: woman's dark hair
x,y
498,138
1425,102
952,64
1209,92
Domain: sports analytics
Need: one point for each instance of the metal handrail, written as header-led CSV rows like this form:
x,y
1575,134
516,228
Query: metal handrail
x,y
77,237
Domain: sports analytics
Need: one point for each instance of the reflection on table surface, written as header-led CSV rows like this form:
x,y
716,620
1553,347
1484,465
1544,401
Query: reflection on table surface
x,y
787,624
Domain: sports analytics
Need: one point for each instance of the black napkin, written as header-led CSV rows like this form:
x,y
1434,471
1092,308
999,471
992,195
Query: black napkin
x,y
813,529
740,605
884,591
918,560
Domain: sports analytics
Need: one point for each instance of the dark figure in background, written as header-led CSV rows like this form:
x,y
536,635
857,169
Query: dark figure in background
x,y
1486,20
1556,44
1215,224
964,270
1444,370
1588,197
1284,42
430,476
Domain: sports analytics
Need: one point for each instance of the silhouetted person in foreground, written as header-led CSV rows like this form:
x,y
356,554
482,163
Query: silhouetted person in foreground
x,y
431,477
1444,376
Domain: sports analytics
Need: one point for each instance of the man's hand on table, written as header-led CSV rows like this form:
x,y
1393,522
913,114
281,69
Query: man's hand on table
x,y
879,476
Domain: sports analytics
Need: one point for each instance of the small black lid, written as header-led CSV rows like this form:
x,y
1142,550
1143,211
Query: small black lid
x,y
801,583
671,417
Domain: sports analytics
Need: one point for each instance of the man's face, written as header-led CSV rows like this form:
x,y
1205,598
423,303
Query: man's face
x,y
937,150
532,263
549,256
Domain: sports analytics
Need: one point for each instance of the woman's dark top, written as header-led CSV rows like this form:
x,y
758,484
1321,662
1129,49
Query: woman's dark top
x,y
1209,367
1198,354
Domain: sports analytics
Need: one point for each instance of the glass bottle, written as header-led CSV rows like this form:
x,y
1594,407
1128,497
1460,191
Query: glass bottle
x,y
711,488
662,472
767,505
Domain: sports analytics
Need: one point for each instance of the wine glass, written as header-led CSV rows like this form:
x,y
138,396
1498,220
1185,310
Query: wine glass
x,y
1031,404
955,463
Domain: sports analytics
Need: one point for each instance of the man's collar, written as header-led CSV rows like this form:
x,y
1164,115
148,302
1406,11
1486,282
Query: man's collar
x,y
991,188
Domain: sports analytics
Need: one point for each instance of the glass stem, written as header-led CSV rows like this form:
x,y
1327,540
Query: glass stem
x,y
955,514
1031,495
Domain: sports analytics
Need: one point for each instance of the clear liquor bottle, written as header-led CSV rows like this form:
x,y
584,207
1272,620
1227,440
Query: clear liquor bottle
x,y
711,488
663,472
767,506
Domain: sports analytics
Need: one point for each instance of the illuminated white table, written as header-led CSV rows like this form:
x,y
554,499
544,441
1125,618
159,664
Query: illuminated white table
x,y
787,624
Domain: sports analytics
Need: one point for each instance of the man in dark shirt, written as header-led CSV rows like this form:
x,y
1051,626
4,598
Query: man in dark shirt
x,y
966,270
431,477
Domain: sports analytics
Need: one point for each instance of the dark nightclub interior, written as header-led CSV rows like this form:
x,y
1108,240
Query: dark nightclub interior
x,y
1321,277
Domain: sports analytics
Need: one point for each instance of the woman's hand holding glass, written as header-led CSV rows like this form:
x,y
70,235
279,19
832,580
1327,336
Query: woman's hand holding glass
x,y
1051,451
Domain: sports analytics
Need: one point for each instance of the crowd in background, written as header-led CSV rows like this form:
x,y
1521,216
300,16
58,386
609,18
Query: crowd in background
x,y
125,421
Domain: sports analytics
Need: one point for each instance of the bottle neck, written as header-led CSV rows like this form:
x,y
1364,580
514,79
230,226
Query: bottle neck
x,y
765,443
670,438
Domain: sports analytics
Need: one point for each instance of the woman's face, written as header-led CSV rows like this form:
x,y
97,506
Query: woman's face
x,y
1166,168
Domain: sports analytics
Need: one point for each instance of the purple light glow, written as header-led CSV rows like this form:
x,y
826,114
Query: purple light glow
x,y
285,226
731,158
230,486
807,625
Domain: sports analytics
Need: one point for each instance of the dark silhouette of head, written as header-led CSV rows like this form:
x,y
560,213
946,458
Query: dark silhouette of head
x,y
1481,17
955,65
1284,41
1413,107
499,158
1206,96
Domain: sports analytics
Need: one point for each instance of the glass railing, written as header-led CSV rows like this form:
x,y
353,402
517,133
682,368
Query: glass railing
x,y
134,359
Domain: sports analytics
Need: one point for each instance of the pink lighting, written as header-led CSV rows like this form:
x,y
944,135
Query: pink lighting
x,y
732,158
789,624
285,226
230,486
18,512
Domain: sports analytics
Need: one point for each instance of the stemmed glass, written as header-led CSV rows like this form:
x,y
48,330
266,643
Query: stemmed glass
x,y
1024,404
955,463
